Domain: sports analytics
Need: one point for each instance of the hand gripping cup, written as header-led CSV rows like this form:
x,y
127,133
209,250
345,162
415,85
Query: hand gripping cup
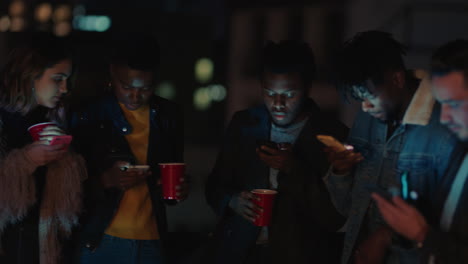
x,y
171,176
266,200
37,128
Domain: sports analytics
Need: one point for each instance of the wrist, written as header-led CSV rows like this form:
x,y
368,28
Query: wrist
x,y
421,235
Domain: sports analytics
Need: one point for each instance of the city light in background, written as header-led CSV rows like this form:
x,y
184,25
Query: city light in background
x,y
92,23
60,19
5,23
203,97
166,90
204,69
43,12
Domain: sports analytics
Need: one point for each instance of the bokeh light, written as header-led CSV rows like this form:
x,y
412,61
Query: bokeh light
x,y
204,69
62,29
17,8
43,12
217,92
17,24
4,23
166,90
62,13
202,99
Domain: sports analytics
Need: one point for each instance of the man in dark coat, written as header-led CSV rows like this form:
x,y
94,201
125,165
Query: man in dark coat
x,y
304,220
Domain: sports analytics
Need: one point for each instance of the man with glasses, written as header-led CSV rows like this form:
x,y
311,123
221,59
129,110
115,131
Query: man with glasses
x,y
442,234
274,146
397,133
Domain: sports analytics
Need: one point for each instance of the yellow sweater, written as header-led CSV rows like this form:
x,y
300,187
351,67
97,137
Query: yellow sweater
x,y
135,219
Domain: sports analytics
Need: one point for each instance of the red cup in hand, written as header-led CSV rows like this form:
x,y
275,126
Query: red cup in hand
x,y
172,174
265,200
37,128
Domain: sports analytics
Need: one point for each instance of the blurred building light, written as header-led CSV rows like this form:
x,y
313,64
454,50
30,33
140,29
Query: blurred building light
x,y
4,23
17,24
79,10
202,99
43,12
217,92
102,23
17,8
204,69
166,90
62,29
92,23
62,13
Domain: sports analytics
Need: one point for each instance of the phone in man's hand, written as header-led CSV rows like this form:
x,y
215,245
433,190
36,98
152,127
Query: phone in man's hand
x,y
267,143
332,142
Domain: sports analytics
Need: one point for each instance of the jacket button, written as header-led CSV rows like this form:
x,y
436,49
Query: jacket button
x,y
124,129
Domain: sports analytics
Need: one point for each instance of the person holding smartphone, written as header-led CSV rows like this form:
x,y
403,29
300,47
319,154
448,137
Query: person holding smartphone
x,y
442,233
40,183
396,131
127,128
274,146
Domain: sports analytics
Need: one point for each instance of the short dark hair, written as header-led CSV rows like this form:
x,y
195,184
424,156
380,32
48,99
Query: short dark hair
x,y
368,55
450,57
138,51
289,56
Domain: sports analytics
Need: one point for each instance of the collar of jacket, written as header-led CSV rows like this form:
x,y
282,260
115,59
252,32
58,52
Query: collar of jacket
x,y
420,109
118,118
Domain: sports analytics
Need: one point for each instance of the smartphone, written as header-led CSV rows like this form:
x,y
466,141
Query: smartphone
x,y
410,196
267,143
373,188
135,168
61,140
330,141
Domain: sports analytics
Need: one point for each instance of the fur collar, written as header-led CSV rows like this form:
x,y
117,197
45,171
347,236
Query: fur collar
x,y
61,201
421,106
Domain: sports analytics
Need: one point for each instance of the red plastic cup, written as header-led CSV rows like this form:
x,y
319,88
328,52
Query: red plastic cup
x,y
171,176
266,200
37,128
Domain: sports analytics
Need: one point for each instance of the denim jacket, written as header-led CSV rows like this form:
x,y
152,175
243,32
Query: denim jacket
x,y
420,146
